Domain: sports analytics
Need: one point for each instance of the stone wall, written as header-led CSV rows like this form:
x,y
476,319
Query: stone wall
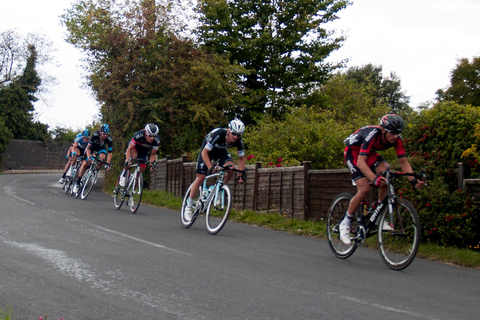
x,y
26,155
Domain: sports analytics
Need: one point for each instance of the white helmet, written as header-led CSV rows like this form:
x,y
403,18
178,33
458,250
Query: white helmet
x,y
236,126
152,129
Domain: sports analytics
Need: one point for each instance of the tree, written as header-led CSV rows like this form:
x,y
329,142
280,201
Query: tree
x,y
16,102
282,44
141,71
464,83
384,90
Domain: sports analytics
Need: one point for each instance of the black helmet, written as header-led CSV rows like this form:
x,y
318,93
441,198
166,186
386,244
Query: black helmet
x,y
105,128
152,129
392,123
86,133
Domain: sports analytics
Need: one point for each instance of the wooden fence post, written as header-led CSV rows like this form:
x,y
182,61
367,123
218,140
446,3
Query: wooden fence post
x,y
306,195
182,177
255,185
462,174
167,157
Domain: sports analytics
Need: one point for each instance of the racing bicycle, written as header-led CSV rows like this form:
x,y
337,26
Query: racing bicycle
x,y
70,179
214,201
89,178
394,220
133,188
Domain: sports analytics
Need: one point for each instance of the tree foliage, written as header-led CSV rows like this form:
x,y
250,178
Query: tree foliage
x,y
17,95
282,44
142,72
464,83
316,132
382,90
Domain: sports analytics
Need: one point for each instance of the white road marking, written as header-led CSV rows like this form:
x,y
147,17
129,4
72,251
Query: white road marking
x,y
379,306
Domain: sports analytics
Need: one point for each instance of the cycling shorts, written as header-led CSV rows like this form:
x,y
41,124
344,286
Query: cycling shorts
x,y
351,157
223,158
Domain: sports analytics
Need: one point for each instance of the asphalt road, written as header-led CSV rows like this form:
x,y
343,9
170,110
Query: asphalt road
x,y
82,259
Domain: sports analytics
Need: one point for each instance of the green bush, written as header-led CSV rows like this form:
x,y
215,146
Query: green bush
x,y
435,140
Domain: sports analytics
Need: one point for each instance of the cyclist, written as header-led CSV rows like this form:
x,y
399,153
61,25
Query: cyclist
x,y
365,164
78,148
101,144
67,170
215,147
139,146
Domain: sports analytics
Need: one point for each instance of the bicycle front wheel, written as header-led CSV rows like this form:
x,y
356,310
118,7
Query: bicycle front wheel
x,y
336,213
399,239
118,194
186,223
218,210
89,182
135,192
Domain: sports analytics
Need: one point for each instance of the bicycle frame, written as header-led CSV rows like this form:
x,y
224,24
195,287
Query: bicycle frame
x,y
389,201
207,193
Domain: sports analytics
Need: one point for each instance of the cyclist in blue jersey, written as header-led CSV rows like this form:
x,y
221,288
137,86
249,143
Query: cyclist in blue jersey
x,y
79,142
138,148
100,143
365,164
215,147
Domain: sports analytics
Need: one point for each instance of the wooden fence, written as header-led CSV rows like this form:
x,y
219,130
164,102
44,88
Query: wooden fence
x,y
299,192
294,191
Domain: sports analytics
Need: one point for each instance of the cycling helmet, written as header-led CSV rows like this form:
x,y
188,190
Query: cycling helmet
x,y
392,123
236,126
86,133
152,129
105,128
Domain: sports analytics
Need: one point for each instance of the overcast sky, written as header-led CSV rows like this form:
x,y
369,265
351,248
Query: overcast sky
x,y
419,40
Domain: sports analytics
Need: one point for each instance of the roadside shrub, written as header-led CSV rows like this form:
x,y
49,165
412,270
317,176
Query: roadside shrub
x,y
435,140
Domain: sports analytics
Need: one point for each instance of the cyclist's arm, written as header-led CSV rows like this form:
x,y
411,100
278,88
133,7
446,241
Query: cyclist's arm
x,y
206,158
406,167
241,164
363,166
128,153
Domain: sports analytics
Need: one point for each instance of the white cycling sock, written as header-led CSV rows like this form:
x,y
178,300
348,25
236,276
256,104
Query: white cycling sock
x,y
190,202
348,218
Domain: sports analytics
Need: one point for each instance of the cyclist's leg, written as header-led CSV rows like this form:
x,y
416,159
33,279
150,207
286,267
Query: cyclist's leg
x,y
225,160
102,154
382,165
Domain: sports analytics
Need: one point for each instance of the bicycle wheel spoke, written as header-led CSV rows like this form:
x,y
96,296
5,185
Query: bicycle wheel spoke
x,y
186,223
118,195
335,215
399,246
218,210
135,194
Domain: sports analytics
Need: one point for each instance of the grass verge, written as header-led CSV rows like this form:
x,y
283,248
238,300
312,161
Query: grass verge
x,y
316,229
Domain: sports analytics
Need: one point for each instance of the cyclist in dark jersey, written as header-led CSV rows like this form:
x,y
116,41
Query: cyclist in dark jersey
x,y
141,143
80,141
365,164
215,147
101,144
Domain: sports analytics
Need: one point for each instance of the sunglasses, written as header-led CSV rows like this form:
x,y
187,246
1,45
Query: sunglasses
x,y
236,134
151,136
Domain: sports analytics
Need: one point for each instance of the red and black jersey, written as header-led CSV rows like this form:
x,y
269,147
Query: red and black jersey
x,y
368,140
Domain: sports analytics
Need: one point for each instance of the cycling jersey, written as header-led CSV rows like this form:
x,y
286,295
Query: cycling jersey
x,y
141,144
95,143
366,141
215,142
82,145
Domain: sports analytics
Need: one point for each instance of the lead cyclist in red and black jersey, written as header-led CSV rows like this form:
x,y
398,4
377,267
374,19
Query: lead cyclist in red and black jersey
x,y
138,148
215,147
365,164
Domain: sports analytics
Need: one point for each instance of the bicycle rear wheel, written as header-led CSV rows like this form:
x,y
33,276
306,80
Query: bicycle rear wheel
x,y
135,192
399,246
188,223
336,213
66,184
89,182
118,194
218,210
